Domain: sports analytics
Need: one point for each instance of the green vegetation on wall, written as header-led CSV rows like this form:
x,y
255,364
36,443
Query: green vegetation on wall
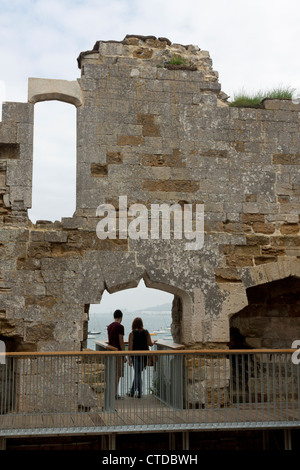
x,y
254,100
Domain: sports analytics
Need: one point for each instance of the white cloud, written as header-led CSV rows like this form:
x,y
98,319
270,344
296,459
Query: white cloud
x,y
250,42
132,299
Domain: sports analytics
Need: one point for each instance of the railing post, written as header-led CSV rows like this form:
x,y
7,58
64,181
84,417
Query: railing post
x,y
108,442
110,375
287,439
177,385
265,439
170,368
2,443
185,440
112,442
172,445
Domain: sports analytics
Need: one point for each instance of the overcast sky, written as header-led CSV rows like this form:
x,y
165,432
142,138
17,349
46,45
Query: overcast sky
x,y
253,45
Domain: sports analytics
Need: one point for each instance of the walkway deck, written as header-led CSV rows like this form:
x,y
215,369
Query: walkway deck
x,y
149,414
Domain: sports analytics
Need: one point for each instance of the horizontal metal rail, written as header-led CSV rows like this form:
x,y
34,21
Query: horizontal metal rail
x,y
162,390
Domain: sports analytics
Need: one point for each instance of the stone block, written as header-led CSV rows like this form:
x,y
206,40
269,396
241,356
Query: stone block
x,y
62,90
208,383
9,151
178,186
290,229
132,140
286,159
56,237
98,169
259,227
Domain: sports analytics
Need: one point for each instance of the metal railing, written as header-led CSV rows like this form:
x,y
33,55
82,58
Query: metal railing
x,y
74,392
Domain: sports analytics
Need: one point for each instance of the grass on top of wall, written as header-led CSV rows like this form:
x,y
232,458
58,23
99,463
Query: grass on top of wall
x,y
177,60
254,100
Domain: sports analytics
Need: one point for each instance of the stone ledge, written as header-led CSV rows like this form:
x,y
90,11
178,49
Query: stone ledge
x,y
40,89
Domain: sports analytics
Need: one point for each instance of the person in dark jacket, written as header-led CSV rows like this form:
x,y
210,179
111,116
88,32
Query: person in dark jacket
x,y
116,339
139,340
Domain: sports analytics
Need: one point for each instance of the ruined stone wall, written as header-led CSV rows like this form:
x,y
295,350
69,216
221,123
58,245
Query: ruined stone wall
x,y
155,133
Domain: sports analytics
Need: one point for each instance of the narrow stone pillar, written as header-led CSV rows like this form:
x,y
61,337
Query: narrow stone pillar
x,y
287,439
2,443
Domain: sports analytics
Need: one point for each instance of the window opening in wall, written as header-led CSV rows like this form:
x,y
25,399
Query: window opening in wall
x,y
54,161
271,318
155,308
152,305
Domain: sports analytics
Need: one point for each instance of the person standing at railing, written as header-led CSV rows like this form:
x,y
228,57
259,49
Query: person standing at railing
x,y
139,340
116,333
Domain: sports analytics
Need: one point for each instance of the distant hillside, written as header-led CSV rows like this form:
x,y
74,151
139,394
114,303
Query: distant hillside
x,y
157,308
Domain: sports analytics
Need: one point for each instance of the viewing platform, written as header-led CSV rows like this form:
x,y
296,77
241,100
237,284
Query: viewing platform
x,y
73,393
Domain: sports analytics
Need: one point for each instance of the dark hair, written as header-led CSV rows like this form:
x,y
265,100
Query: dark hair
x,y
118,314
137,324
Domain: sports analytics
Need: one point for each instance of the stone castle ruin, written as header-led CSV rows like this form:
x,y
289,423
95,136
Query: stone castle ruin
x,y
157,133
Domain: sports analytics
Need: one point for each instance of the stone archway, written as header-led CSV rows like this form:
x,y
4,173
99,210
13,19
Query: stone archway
x,y
235,294
272,317
181,305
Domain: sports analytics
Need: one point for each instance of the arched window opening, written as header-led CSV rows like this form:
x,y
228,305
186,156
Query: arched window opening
x,y
54,161
271,318
160,308
152,305
269,321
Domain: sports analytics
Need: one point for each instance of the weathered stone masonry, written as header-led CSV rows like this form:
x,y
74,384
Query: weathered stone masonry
x,y
155,133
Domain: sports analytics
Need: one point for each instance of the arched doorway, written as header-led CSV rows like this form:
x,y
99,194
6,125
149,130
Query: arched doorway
x,y
152,305
161,309
272,317
180,303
